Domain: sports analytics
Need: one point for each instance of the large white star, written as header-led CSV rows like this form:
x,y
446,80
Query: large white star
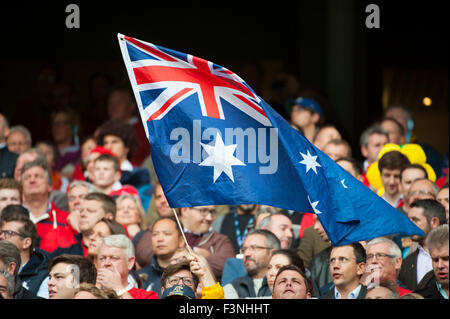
x,y
314,205
221,158
309,161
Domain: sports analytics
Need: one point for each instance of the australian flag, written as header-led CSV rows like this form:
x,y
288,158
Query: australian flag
x,y
214,141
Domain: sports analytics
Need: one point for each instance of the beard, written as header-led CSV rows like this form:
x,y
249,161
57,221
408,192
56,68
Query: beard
x,y
247,209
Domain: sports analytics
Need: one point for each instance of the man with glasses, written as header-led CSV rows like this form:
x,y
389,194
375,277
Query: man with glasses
x,y
422,189
383,263
177,281
215,247
17,228
347,265
257,250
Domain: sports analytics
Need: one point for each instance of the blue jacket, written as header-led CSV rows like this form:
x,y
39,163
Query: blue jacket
x,y
35,270
154,272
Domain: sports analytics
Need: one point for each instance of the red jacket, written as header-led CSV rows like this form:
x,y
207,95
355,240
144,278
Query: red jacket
x,y
54,230
142,294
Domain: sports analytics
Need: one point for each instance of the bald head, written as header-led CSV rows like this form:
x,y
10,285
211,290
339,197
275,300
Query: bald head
x,y
422,189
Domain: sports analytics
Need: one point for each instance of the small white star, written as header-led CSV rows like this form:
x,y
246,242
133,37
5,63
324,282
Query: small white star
x,y
221,158
309,161
314,205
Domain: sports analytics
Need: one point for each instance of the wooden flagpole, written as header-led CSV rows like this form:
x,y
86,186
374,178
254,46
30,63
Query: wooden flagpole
x,y
182,233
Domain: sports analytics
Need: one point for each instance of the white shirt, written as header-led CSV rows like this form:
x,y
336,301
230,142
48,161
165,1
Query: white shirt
x,y
353,295
423,263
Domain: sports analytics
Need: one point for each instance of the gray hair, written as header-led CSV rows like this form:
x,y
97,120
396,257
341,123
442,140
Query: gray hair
x,y
22,129
9,253
10,280
40,162
271,240
119,241
437,238
434,187
90,187
394,250
375,129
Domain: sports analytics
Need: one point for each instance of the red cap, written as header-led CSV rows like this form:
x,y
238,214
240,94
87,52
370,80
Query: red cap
x,y
102,150
125,189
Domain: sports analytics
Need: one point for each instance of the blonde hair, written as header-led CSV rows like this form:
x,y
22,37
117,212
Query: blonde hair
x,y
137,201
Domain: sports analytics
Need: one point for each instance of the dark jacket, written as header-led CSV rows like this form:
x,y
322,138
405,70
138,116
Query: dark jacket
x,y
245,288
427,287
361,295
154,273
22,293
35,270
7,162
75,249
408,272
320,271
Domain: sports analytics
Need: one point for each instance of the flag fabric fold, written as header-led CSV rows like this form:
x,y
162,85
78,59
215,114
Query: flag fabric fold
x,y
214,141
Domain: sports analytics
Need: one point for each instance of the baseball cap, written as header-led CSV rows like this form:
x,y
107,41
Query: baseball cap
x,y
102,150
307,103
178,292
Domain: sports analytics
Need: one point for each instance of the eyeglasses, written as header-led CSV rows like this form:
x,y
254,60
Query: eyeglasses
x,y
11,233
204,211
174,280
252,248
378,256
341,260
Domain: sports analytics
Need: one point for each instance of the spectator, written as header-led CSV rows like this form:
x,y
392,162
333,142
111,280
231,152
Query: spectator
x,y
280,258
177,281
395,130
236,224
372,141
281,226
441,197
19,139
311,245
122,106
93,155
94,207
427,214
390,166
384,260
66,273
325,134
116,258
50,151
27,156
130,214
16,227
107,174
159,207
422,189
6,285
257,249
385,290
103,228
305,116
337,148
90,291
166,240
120,139
51,222
320,265
215,247
10,193
210,287
408,175
80,172
347,265
76,192
291,283
4,130
65,128
10,262
435,283
352,166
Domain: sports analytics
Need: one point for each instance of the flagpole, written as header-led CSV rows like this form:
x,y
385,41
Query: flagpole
x,y
182,233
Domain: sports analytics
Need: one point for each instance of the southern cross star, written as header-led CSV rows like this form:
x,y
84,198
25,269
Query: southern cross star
x,y
314,205
309,161
221,158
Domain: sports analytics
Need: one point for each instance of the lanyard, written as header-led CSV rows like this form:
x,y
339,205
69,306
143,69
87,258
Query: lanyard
x,y
240,238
